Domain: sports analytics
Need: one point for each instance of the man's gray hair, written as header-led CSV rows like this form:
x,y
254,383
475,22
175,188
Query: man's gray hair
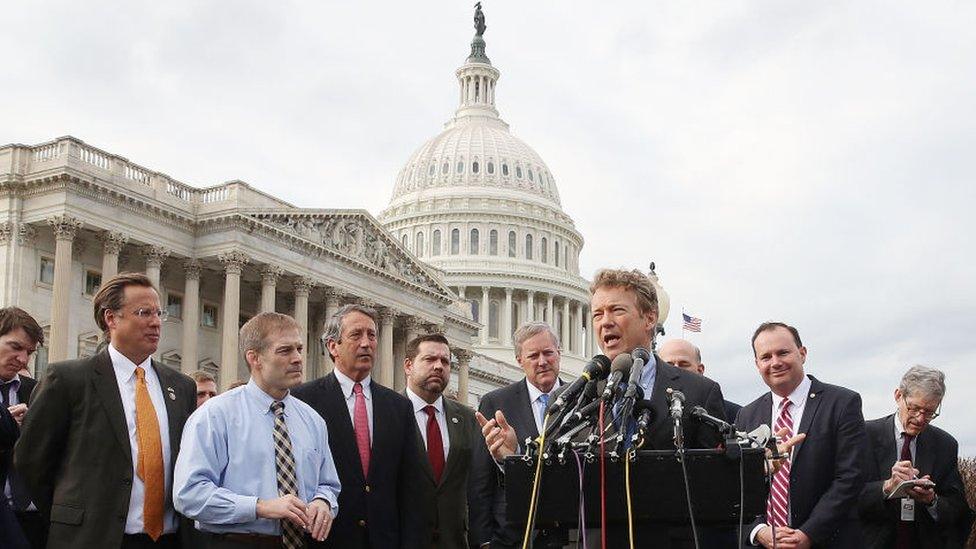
x,y
333,328
922,381
532,329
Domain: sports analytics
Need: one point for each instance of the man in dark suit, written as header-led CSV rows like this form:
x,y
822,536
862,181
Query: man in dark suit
x,y
448,432
20,336
98,446
903,446
11,536
813,497
373,438
684,354
520,409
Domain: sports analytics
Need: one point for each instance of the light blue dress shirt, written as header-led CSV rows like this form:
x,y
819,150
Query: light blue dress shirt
x,y
227,461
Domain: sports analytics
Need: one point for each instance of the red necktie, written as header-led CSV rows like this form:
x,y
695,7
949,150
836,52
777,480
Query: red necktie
x,y
360,423
435,444
778,506
906,529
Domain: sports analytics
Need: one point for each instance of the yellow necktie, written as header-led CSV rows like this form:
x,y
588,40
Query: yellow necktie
x,y
150,466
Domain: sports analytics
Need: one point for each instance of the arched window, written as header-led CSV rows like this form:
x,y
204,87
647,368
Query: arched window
x,y
555,252
491,168
475,309
474,167
403,240
544,251
460,166
444,167
455,241
493,319
419,244
431,171
528,246
504,169
516,314
530,175
511,244
518,172
435,243
473,242
566,256
493,242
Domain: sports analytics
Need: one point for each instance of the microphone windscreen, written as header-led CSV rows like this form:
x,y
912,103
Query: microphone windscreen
x,y
642,354
599,367
622,364
589,392
642,405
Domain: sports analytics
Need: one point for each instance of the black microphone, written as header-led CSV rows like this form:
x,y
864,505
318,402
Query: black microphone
x,y
702,415
677,399
640,356
619,368
597,368
644,414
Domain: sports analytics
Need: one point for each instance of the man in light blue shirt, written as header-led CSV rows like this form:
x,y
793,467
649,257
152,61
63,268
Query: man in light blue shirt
x,y
254,464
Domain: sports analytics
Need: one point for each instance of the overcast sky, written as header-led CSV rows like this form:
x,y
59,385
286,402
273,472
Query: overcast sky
x,y
810,162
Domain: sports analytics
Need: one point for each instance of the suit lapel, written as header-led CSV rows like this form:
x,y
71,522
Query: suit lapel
x,y
166,384
424,460
334,404
885,450
381,429
107,388
26,388
809,412
524,408
924,453
659,394
456,436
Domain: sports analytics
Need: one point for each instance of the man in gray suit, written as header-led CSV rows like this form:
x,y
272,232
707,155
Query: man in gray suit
x,y
101,437
448,434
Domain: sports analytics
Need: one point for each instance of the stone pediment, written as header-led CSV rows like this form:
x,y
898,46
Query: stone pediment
x,y
354,235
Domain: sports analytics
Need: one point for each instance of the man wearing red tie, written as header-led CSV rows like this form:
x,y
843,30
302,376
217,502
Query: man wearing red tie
x,y
448,432
813,496
373,439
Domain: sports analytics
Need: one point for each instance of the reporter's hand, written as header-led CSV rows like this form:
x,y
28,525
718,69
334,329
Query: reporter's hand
x,y
18,411
923,494
287,507
319,518
900,472
499,435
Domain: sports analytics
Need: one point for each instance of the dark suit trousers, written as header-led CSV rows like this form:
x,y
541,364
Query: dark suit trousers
x,y
142,541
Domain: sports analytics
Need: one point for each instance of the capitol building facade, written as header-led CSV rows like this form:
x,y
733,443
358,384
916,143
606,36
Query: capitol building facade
x,y
473,243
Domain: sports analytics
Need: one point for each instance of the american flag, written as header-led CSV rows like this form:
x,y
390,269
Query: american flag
x,y
691,323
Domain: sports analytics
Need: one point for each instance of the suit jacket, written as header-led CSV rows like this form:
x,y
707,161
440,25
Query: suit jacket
x,y
446,502
23,396
381,510
731,411
74,453
936,453
826,475
11,536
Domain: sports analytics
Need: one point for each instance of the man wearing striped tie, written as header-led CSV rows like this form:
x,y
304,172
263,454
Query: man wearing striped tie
x,y
813,496
255,468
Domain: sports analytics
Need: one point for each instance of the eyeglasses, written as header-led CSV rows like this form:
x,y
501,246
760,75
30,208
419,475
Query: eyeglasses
x,y
146,314
917,411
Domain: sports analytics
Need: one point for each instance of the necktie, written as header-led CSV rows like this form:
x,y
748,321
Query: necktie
x,y
544,401
5,388
906,529
18,491
150,462
360,423
435,444
285,467
777,508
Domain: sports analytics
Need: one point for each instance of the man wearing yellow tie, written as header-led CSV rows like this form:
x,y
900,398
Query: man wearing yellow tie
x,y
98,444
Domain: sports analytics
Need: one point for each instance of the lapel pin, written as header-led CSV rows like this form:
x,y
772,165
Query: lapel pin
x,y
813,395
172,393
453,420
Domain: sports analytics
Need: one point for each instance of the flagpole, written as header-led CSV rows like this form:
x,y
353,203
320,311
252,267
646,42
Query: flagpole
x,y
682,322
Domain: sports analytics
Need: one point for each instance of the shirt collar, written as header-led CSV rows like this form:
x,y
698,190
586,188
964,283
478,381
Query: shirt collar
x,y
899,428
534,391
14,382
346,384
125,368
263,399
799,395
419,404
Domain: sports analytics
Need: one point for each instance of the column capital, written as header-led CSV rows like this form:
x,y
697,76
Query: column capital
x,y
508,292
387,315
26,234
112,242
6,232
333,293
303,285
233,261
270,274
155,255
413,323
65,227
463,356
433,327
192,268
530,293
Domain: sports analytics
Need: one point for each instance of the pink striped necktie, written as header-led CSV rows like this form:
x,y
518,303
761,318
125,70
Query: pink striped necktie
x,y
360,423
777,508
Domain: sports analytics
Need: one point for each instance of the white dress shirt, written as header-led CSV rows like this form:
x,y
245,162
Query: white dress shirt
x,y
538,410
125,376
346,384
899,443
421,416
798,398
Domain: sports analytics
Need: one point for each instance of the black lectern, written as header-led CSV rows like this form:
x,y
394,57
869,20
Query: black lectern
x,y
657,488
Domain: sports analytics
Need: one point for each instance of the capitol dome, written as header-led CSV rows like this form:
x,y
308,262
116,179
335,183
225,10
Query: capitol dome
x,y
480,205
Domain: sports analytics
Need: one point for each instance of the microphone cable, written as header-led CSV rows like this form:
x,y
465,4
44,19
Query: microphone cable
x,y
691,512
630,507
603,483
530,520
742,494
581,525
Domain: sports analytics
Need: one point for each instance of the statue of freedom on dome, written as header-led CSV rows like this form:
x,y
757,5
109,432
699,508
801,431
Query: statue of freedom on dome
x,y
479,20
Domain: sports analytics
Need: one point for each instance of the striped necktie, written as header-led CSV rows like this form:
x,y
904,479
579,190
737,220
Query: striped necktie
x,y
291,535
778,506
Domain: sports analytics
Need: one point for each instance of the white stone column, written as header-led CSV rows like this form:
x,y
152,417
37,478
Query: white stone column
x,y
461,292
233,262
269,283
155,255
566,337
412,327
332,296
388,367
483,315
65,228
191,315
550,317
112,244
303,287
577,327
464,373
590,338
530,306
507,320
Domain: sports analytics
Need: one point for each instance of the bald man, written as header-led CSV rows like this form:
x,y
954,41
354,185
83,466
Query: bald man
x,y
685,355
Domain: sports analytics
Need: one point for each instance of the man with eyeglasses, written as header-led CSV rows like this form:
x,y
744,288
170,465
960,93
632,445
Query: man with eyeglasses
x,y
905,446
99,443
